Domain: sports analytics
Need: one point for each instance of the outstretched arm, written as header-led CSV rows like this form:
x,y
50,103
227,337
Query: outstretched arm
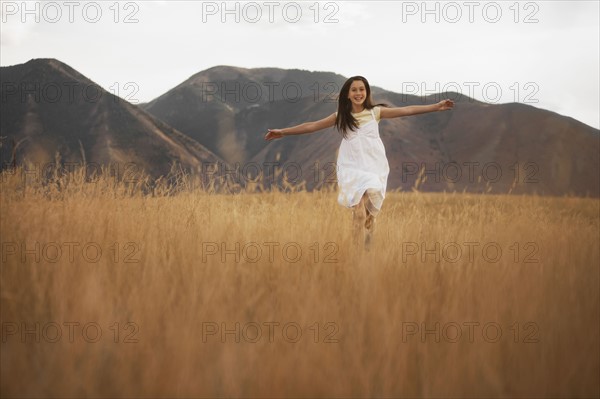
x,y
304,128
444,105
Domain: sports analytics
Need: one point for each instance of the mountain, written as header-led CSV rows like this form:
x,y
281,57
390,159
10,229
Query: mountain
x,y
477,147
212,106
48,108
220,116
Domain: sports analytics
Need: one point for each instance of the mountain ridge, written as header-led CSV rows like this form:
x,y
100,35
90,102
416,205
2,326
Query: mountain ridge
x,y
187,124
48,108
506,134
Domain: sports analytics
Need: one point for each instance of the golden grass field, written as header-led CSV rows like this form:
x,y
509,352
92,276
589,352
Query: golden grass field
x,y
318,319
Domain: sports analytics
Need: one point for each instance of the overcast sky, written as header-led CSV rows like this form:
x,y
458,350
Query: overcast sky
x,y
544,53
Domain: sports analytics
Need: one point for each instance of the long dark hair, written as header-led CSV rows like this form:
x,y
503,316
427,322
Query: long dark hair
x,y
344,120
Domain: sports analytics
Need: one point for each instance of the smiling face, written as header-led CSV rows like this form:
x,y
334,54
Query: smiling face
x,y
357,94
355,97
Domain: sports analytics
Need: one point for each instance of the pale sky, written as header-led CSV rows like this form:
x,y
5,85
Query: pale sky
x,y
544,53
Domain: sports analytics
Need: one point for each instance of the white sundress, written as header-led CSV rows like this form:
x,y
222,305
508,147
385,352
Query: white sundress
x,y
362,166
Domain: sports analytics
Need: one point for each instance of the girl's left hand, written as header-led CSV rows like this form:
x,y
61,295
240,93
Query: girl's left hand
x,y
273,134
445,105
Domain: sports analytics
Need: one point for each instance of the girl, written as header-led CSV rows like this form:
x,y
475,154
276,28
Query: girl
x,y
362,166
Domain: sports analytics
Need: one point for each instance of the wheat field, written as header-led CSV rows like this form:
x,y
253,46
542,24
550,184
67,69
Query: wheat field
x,y
110,292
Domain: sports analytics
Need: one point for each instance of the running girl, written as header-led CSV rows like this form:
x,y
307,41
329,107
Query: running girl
x,y
362,166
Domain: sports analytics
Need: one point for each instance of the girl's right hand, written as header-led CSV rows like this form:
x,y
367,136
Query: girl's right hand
x,y
273,134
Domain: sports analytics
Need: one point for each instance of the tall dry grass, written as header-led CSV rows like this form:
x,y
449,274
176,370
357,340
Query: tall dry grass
x,y
373,314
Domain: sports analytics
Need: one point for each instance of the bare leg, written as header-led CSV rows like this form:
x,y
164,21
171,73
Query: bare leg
x,y
370,226
359,218
371,212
